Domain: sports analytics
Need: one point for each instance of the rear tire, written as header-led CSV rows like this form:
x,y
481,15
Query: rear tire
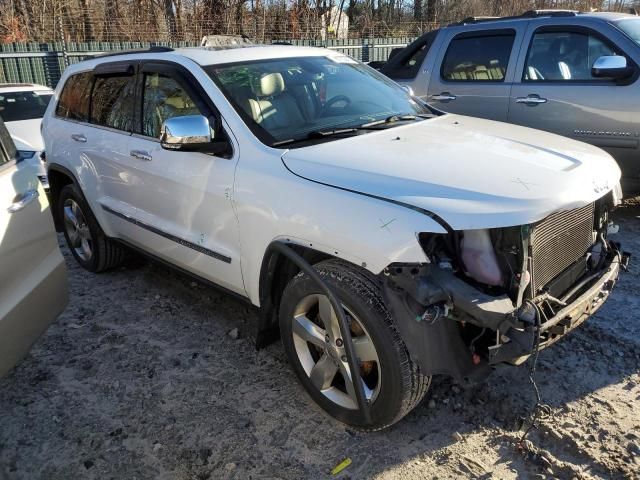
x,y
91,248
394,384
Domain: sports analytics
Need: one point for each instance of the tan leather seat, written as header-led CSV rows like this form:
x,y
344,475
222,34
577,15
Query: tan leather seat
x,y
274,108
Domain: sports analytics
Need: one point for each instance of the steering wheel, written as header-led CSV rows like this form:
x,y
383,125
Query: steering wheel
x,y
336,99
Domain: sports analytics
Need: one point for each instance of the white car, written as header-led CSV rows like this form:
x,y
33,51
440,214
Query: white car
x,y
22,106
382,241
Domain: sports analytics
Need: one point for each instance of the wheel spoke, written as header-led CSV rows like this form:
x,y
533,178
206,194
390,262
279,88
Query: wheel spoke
x,y
70,217
74,239
329,318
323,372
365,351
308,331
348,382
84,232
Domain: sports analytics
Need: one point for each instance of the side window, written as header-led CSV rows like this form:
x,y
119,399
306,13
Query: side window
x,y
74,99
163,98
112,102
478,58
564,56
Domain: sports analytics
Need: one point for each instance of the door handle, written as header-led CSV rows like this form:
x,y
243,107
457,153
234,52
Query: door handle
x,y
23,200
531,100
78,137
443,97
141,155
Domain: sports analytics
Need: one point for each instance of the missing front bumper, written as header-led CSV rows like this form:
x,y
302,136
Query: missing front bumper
x,y
516,345
435,342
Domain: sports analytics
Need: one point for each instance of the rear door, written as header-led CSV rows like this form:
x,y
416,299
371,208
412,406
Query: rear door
x,y
555,91
473,72
33,279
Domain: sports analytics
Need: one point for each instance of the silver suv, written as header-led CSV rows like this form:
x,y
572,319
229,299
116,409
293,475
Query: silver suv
x,y
575,74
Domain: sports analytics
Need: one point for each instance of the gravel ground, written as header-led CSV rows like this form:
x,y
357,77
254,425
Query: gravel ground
x,y
143,376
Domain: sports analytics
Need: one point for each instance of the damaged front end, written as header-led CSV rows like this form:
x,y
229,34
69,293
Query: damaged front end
x,y
491,296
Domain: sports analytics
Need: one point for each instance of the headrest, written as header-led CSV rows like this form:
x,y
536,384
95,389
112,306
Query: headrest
x,y
269,85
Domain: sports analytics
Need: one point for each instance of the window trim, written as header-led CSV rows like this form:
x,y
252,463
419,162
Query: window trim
x,y
501,32
585,31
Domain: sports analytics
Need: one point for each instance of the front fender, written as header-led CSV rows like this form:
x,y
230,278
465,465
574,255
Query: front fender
x,y
368,232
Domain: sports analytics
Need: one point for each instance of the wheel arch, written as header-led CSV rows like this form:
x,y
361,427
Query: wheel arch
x,y
59,177
275,273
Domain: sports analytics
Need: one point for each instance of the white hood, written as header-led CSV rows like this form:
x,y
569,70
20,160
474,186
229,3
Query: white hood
x,y
26,134
472,173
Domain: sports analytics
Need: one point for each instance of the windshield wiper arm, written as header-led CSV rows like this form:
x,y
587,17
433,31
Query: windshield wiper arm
x,y
390,119
316,134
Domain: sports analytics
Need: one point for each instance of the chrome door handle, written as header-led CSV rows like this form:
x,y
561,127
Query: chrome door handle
x,y
443,97
24,200
141,155
531,100
78,137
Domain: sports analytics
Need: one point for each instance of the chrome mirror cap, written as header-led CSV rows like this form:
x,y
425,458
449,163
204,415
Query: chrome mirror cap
x,y
184,133
614,66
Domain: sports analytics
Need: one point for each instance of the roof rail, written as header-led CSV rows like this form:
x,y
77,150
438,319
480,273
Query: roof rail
x,y
152,49
550,13
527,14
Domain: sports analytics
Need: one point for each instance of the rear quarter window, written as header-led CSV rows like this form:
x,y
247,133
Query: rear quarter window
x,y
478,58
74,98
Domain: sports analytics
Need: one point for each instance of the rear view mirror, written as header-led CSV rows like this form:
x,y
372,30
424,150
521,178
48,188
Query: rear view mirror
x,y
611,66
191,132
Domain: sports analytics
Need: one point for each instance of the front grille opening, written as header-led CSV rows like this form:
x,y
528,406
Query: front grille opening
x,y
559,241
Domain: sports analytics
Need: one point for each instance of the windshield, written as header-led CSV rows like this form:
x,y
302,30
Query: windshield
x,y
292,98
15,106
631,27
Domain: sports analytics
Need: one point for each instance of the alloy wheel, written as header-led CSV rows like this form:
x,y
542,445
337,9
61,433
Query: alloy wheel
x,y
320,349
77,230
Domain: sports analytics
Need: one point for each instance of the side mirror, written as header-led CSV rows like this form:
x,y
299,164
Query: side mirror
x,y
188,133
611,66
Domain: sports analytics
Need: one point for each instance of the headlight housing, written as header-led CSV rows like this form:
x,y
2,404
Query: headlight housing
x,y
479,257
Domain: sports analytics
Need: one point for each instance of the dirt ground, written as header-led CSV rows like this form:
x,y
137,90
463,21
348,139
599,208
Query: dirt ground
x,y
140,378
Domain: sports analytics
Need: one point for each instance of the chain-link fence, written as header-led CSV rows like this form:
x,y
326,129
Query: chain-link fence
x,y
43,63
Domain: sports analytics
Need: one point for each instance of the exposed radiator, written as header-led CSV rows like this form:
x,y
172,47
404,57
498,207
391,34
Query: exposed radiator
x,y
558,241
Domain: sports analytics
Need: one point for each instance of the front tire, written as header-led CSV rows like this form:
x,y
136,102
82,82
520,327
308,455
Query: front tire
x,y
91,248
311,339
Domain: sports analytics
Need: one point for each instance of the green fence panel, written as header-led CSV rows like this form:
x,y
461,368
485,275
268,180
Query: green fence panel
x,y
47,63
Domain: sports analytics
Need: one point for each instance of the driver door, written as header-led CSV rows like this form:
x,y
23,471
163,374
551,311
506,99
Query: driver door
x,y
180,202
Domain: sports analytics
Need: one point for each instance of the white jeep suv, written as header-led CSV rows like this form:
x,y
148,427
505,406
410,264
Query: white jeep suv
x,y
382,241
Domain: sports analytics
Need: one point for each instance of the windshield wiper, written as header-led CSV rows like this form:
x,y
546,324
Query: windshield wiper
x,y
319,134
395,118
316,134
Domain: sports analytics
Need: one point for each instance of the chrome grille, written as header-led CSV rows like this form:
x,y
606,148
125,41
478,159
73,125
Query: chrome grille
x,y
558,241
